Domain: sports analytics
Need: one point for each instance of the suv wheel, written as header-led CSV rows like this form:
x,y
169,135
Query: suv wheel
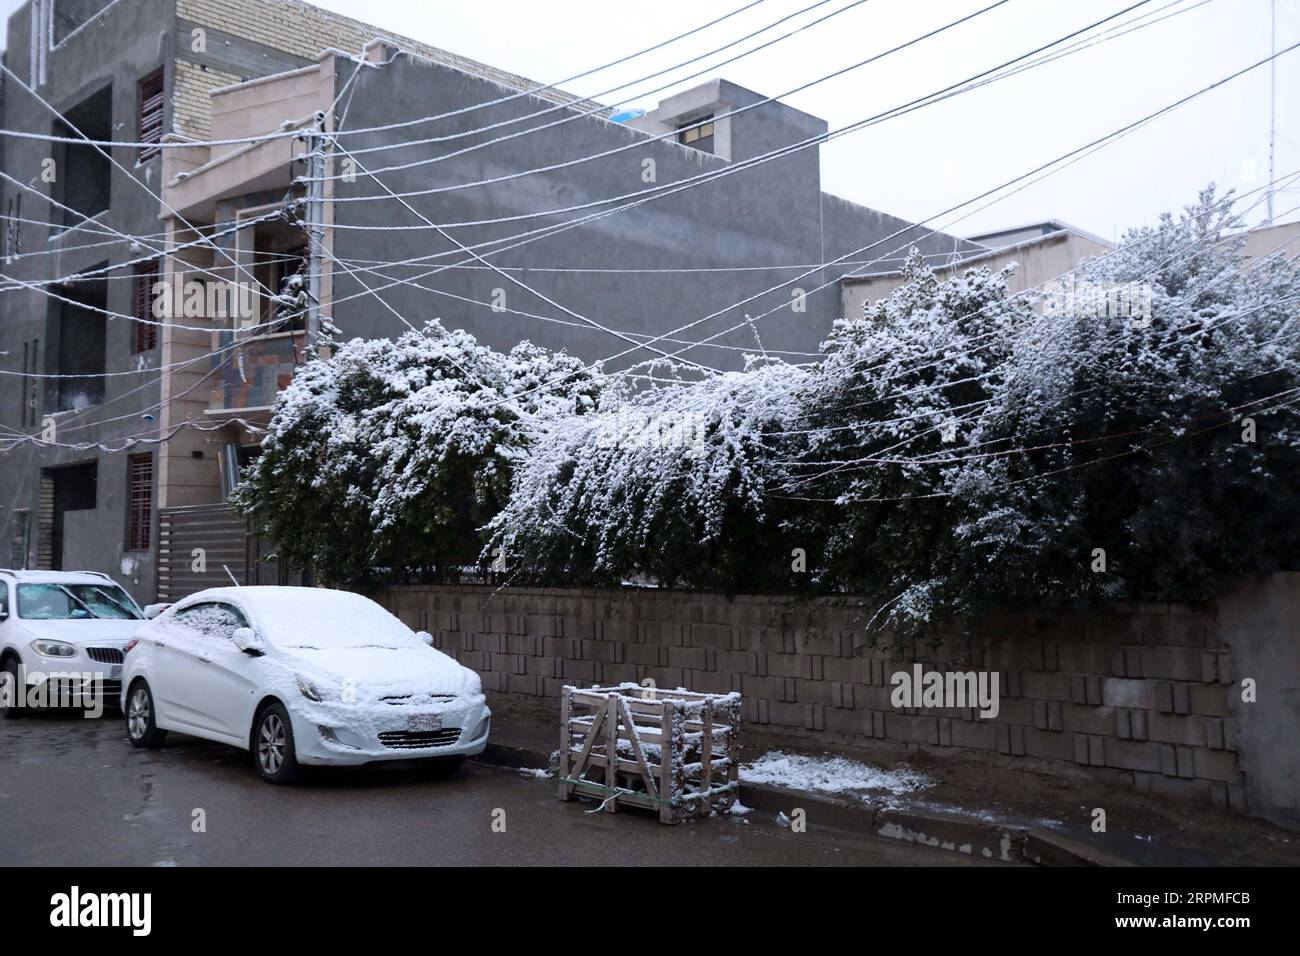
x,y
140,726
273,751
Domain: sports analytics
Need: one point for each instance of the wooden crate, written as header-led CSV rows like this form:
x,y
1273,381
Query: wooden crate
x,y
674,752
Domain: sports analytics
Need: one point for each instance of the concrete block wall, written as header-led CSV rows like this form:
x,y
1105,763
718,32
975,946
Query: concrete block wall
x,y
1139,694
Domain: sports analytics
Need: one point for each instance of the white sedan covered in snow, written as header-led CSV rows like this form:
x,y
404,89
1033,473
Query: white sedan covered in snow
x,y
299,676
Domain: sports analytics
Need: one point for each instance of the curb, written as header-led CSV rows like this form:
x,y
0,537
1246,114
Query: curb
x,y
958,834
1006,843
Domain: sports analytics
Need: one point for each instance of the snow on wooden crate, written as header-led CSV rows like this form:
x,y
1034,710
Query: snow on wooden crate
x,y
676,752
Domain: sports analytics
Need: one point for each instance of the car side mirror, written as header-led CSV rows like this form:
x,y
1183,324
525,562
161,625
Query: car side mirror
x,y
151,611
425,637
246,640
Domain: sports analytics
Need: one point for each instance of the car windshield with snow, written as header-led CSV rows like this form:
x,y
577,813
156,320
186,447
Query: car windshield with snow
x,y
300,676
75,602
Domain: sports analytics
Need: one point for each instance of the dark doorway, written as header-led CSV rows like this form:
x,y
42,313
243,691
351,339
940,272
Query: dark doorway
x,y
75,488
83,174
76,343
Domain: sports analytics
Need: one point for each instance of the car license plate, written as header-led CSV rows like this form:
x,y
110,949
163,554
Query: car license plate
x,y
423,723
115,672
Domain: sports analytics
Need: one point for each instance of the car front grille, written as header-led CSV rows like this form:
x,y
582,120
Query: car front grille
x,y
416,739
75,692
407,698
106,655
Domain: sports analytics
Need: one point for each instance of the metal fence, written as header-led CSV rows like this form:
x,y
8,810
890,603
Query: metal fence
x,y
207,546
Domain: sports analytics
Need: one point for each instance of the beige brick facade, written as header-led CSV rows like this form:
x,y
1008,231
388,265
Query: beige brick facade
x,y
191,102
305,31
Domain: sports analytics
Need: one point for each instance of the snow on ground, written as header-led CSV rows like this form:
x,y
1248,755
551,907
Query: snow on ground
x,y
829,774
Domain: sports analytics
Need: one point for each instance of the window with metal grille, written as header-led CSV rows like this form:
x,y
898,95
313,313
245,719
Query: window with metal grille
x,y
151,115
140,498
146,331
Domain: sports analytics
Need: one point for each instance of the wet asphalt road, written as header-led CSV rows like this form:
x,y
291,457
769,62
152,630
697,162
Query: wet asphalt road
x,y
74,792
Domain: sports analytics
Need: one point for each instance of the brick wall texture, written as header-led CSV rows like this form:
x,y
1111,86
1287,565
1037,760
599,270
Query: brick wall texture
x,y
1140,693
192,100
305,31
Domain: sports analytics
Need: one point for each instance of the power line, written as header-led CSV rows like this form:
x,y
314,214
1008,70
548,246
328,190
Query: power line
x,y
533,91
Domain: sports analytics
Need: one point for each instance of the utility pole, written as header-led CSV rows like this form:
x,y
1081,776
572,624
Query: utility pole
x,y
1272,114
315,226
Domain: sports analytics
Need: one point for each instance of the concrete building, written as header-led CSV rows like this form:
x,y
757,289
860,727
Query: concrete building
x,y
1042,251
1282,241
183,72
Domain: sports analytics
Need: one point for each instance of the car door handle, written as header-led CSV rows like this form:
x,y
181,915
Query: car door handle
x,y
206,660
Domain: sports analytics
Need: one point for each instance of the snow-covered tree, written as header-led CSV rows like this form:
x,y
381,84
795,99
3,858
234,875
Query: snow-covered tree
x,y
673,484
894,409
1094,448
1148,451
387,458
1132,431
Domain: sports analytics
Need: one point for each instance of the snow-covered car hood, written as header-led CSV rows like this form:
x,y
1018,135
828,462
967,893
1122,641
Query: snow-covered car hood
x,y
385,671
84,633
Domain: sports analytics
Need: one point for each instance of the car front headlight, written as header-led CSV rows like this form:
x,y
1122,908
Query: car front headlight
x,y
311,691
321,692
54,648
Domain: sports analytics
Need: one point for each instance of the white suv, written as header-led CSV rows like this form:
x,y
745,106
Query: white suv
x,y
61,639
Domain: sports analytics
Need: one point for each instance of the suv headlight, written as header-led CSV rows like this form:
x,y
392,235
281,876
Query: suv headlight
x,y
54,648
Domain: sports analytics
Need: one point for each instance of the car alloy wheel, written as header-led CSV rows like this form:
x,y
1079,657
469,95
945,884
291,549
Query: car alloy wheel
x,y
141,727
271,742
138,713
274,755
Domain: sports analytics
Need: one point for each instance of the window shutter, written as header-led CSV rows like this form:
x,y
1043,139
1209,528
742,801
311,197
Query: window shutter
x,y
146,332
151,115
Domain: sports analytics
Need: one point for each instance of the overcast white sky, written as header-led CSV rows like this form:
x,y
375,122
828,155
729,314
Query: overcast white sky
x,y
918,165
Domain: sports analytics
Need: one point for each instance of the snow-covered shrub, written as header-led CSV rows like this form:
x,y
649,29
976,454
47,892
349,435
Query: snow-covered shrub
x,y
957,449
894,409
392,455
1099,448
672,484
1119,438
